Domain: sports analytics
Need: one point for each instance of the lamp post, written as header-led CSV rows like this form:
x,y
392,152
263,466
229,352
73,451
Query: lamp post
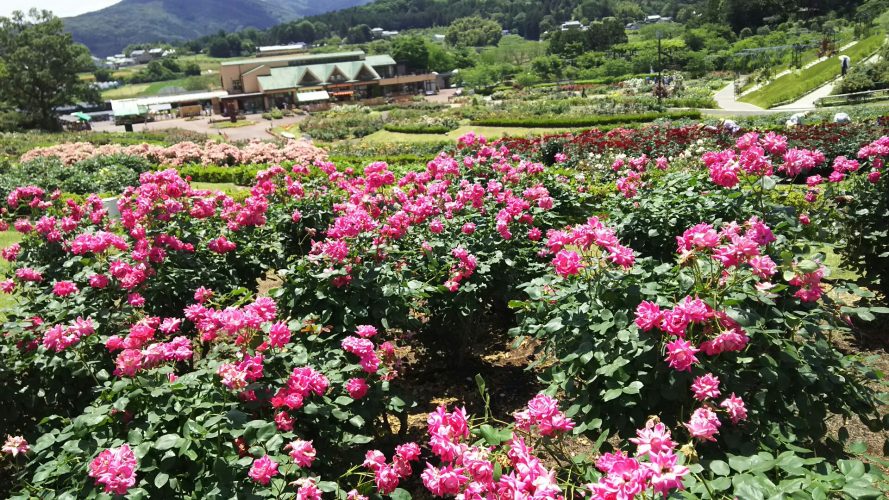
x,y
660,69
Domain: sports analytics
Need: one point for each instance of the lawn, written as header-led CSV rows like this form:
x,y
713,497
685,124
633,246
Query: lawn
x,y
226,187
237,124
795,85
384,136
191,83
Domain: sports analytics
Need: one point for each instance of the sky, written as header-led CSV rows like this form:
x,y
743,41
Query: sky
x,y
61,8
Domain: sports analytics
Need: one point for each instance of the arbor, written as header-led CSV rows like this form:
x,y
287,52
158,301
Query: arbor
x,y
42,62
473,32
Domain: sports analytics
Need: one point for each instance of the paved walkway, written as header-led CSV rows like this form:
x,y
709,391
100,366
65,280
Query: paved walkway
x,y
258,130
726,100
809,101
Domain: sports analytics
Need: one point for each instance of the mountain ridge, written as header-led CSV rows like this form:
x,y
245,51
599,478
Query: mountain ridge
x,y
107,31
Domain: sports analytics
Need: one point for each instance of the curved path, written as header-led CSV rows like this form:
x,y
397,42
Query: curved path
x,y
726,100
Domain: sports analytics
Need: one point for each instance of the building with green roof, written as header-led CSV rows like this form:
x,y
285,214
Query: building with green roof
x,y
262,83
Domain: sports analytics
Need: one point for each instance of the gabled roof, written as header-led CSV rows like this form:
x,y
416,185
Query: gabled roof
x,y
292,77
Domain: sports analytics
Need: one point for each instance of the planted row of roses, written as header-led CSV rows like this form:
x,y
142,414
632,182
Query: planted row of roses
x,y
204,386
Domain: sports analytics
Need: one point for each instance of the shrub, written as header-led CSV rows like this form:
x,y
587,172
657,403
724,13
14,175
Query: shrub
x,y
591,121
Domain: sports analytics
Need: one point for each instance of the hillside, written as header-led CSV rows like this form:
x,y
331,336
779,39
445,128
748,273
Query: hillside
x,y
109,30
531,17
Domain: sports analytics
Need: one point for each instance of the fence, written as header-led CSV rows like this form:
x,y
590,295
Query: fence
x,y
853,98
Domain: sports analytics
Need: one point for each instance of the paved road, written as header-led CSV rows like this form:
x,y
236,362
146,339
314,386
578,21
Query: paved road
x,y
725,99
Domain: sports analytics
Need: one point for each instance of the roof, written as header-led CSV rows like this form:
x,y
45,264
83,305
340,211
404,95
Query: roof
x,y
308,58
139,106
318,95
380,60
292,77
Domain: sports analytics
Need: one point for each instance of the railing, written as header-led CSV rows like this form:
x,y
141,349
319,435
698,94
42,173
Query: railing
x,y
853,98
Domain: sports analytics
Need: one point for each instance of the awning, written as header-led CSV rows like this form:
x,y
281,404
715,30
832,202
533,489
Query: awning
x,y
343,94
154,108
318,95
82,116
127,108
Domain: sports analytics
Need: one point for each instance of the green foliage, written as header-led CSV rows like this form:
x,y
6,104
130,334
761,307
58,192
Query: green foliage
x,y
794,85
43,65
589,121
473,32
866,210
412,51
104,174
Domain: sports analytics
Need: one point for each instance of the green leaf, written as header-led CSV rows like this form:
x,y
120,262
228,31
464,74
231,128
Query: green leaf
x,y
852,469
633,387
400,494
166,442
808,266
861,488
611,394
740,464
160,480
719,468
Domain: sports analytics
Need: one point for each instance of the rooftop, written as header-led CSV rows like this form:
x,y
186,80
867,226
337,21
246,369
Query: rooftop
x,y
307,58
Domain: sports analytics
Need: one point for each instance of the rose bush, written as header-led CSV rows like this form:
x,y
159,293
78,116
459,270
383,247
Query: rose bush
x,y
197,344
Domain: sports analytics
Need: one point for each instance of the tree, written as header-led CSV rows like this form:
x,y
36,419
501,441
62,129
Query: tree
x,y
192,69
440,59
359,34
473,32
412,51
218,47
42,64
103,74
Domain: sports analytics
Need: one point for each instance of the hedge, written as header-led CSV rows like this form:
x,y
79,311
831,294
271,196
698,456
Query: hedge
x,y
583,121
241,176
417,129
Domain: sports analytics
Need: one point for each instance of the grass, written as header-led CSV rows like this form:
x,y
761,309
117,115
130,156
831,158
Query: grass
x,y
237,124
384,136
131,90
795,85
226,187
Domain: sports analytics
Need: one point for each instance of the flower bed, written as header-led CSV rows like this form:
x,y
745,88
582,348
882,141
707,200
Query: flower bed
x,y
211,153
198,344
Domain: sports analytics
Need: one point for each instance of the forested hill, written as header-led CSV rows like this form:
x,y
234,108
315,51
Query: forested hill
x,y
109,30
531,17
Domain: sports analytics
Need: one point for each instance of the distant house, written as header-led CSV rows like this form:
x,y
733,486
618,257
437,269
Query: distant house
x,y
632,26
119,61
262,83
572,25
156,52
140,56
377,32
653,19
438,38
390,34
